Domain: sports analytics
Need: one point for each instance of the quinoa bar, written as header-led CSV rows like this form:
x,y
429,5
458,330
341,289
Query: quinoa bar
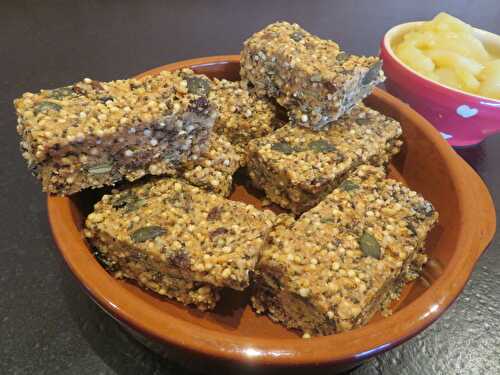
x,y
153,276
344,259
311,77
180,231
242,116
297,167
93,134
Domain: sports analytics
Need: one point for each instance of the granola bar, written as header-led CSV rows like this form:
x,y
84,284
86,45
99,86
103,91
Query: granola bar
x,y
181,231
309,76
342,260
242,116
297,167
93,134
152,275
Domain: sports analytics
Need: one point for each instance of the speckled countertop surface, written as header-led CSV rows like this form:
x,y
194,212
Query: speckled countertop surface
x,y
48,325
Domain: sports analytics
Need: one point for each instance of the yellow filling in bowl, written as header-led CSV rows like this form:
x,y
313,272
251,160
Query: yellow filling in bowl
x,y
446,50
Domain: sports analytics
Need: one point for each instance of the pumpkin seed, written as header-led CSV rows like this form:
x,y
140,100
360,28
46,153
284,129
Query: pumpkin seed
x,y
46,106
61,92
327,220
322,146
362,121
369,245
348,185
130,202
341,57
197,85
297,36
147,233
100,168
425,209
316,78
372,73
283,147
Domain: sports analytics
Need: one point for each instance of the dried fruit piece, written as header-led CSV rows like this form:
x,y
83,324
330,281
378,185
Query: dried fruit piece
x,y
322,145
180,259
147,233
369,245
45,106
198,105
217,232
214,214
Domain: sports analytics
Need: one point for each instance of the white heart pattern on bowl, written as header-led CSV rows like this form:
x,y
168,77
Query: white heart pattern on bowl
x,y
465,111
446,136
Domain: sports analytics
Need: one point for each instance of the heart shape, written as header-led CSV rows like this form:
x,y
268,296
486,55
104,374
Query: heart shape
x,y
465,111
446,136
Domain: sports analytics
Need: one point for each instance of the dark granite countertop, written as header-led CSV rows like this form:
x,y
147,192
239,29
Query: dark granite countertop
x,y
48,325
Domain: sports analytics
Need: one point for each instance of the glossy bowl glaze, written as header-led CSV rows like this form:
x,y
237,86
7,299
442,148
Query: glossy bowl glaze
x,y
233,336
463,119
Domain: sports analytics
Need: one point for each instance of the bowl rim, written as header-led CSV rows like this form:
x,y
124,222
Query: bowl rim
x,y
355,345
437,86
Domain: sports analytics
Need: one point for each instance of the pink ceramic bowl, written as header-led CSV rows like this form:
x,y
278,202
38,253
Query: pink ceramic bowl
x,y
463,119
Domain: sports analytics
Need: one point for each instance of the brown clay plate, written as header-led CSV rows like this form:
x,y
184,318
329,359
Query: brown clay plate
x,y
233,335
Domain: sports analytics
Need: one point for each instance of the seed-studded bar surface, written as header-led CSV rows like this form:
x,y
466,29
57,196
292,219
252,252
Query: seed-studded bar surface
x,y
180,231
213,170
297,167
93,133
311,77
242,116
342,260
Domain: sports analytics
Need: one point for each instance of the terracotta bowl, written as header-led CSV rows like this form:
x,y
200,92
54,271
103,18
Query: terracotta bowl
x,y
463,119
233,336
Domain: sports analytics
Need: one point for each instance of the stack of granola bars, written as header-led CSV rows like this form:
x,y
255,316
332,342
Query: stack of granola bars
x,y
352,237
